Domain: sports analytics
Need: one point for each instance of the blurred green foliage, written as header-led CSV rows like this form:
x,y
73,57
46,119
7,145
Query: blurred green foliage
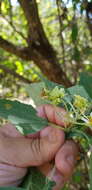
x,y
65,24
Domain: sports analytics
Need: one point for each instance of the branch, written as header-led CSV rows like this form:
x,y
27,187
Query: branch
x,y
30,14
22,52
52,71
36,32
12,72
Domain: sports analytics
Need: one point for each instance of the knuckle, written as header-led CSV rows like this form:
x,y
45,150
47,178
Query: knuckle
x,y
36,150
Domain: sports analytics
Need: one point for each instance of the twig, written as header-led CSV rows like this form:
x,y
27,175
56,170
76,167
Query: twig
x,y
14,28
12,72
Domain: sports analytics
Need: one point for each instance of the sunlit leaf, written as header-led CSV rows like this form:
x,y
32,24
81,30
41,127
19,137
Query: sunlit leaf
x,y
78,90
35,92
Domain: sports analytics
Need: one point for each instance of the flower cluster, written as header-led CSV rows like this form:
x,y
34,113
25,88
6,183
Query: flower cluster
x,y
55,95
76,110
80,103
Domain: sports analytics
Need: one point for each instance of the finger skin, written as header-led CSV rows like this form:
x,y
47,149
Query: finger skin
x,y
10,146
9,130
69,149
23,152
11,175
54,114
66,158
65,161
64,166
33,152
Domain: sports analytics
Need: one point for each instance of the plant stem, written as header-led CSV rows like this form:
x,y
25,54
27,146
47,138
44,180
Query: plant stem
x,y
57,126
65,105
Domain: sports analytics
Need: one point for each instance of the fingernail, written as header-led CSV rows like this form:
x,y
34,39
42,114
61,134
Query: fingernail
x,y
70,160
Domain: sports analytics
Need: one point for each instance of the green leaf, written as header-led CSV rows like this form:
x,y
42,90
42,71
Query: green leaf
x,y
36,180
74,32
22,115
11,188
65,188
35,90
86,82
77,177
78,90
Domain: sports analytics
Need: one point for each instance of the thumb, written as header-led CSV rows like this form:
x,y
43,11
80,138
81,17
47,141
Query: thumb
x,y
23,152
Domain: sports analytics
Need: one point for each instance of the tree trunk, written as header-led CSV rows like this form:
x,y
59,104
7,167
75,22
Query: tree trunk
x,y
51,68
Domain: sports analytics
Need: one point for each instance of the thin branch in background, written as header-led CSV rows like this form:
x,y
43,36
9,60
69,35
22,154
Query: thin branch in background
x,y
16,75
22,52
14,28
10,11
11,21
45,58
58,3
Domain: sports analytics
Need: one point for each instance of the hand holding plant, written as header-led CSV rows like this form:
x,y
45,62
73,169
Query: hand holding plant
x,y
74,122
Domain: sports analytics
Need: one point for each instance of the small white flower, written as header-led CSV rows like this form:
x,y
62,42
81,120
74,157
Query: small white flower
x,y
88,120
91,114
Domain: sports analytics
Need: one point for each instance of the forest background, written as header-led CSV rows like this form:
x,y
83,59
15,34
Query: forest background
x,y
52,38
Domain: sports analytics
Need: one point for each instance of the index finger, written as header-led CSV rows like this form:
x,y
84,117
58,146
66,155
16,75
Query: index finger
x,y
54,114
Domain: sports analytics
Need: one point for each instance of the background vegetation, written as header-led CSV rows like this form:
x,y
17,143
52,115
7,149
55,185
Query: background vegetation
x,y
50,37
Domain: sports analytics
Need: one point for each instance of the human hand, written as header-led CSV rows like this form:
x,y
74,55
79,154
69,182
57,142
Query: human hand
x,y
18,152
